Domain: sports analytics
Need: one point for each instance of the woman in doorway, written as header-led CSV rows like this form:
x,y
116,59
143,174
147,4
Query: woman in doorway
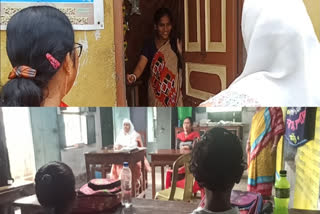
x,y
163,56
128,138
282,66
185,142
44,57
266,129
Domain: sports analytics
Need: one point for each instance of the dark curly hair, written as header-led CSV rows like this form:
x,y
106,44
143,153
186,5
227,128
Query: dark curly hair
x,y
55,186
217,160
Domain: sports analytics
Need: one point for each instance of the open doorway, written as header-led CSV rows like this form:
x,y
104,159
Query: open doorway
x,y
211,40
140,30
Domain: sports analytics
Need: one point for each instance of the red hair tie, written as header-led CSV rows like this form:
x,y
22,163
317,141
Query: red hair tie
x,y
55,63
22,72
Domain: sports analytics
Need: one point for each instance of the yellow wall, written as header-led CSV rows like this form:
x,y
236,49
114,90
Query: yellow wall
x,y
306,192
307,174
95,84
313,7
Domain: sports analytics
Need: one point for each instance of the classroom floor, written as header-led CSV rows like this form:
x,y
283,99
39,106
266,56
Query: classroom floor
x,y
241,186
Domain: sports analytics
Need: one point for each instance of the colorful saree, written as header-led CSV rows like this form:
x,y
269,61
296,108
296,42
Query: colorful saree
x,y
164,84
266,124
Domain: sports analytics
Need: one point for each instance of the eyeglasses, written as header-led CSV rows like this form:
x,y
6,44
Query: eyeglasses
x,y
78,45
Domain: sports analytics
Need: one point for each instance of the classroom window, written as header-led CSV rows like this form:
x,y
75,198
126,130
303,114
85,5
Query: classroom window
x,y
19,142
78,124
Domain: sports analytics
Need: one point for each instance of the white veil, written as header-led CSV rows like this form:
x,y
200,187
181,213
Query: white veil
x,y
283,54
127,140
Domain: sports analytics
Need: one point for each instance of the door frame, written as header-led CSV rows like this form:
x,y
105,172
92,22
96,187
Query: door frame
x,y
119,53
241,50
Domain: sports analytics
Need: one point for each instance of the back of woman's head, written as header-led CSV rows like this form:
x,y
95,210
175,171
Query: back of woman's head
x,y
55,186
35,36
217,160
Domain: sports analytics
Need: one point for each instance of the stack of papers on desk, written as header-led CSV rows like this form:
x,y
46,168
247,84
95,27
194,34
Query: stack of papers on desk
x,y
127,150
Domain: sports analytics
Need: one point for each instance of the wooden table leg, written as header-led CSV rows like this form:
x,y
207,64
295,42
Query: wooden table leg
x,y
153,181
133,181
162,177
88,171
143,176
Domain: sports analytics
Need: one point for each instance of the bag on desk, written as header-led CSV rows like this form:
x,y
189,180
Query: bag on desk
x,y
247,202
94,204
103,184
104,197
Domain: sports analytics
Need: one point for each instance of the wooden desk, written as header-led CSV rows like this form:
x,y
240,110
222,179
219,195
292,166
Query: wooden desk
x,y
8,194
30,205
114,157
162,158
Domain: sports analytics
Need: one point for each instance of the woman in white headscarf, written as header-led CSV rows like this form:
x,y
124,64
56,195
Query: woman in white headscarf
x,y
128,138
283,58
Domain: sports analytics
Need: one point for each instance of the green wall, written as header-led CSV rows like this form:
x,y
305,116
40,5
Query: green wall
x,y
45,135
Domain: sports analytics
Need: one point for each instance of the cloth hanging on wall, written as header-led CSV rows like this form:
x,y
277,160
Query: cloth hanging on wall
x,y
300,122
183,112
5,173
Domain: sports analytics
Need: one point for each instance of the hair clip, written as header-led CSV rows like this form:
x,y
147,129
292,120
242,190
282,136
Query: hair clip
x,y
23,72
55,63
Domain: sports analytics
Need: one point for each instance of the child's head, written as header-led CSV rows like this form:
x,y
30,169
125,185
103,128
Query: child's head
x,y
55,186
217,160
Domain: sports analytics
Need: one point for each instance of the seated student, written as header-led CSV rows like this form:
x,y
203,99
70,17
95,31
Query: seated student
x,y
217,164
55,187
185,142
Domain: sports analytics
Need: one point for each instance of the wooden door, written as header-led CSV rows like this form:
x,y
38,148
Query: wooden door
x,y
210,47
